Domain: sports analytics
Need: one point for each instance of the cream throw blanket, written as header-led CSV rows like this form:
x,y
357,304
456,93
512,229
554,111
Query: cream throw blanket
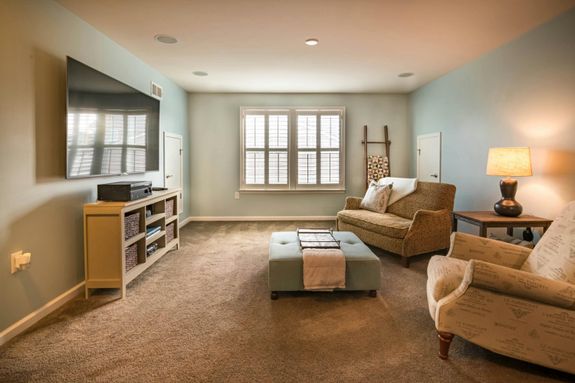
x,y
323,269
402,187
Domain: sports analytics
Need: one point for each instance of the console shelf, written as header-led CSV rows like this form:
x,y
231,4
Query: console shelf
x,y
154,237
171,219
154,218
113,261
134,239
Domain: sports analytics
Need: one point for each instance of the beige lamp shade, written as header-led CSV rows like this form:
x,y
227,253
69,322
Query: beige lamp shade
x,y
509,162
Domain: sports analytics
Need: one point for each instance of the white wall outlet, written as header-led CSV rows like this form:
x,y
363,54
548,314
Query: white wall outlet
x,y
237,195
19,261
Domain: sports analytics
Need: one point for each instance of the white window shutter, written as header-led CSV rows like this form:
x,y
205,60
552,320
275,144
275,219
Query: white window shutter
x,y
278,168
278,132
307,166
255,126
330,167
306,132
255,167
329,132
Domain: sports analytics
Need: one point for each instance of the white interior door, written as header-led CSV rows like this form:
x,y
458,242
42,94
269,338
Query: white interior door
x,y
173,165
429,157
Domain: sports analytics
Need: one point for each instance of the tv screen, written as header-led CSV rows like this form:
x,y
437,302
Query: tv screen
x,y
112,128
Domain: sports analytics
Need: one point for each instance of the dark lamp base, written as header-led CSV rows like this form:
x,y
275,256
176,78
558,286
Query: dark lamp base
x,y
507,205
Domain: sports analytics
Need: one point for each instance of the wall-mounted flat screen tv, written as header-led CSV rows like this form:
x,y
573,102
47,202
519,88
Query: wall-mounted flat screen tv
x,y
112,128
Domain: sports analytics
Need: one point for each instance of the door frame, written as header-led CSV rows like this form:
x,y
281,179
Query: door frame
x,y
429,135
181,139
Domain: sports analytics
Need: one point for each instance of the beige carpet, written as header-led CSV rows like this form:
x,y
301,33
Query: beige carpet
x,y
203,313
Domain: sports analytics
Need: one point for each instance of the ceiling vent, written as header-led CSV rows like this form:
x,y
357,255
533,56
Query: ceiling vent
x,y
156,90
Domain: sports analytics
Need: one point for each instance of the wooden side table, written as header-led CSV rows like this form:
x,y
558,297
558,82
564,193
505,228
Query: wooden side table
x,y
486,219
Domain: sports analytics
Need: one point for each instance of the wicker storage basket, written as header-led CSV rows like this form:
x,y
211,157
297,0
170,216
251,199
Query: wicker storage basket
x,y
170,232
131,225
169,208
131,256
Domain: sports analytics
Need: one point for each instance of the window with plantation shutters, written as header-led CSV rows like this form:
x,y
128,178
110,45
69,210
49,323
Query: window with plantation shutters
x,y
292,149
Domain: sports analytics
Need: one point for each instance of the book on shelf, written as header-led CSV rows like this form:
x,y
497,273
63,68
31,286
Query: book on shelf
x,y
152,230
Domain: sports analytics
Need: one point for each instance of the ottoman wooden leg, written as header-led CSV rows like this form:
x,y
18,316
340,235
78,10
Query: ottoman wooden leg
x,y
274,295
373,293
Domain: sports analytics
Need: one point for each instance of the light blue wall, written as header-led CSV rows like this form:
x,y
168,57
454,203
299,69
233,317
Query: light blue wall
x,y
215,151
522,94
40,211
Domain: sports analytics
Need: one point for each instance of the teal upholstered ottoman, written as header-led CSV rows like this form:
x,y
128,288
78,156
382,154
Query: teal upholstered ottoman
x,y
363,268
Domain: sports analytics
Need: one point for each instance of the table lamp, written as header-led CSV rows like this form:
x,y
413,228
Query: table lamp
x,y
508,162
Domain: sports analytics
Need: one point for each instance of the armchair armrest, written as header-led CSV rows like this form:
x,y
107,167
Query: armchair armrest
x,y
520,284
467,247
352,203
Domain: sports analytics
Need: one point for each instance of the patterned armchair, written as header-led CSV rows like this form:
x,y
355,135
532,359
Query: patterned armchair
x,y
509,299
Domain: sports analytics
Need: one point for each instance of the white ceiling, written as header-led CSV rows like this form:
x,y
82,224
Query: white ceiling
x,y
258,45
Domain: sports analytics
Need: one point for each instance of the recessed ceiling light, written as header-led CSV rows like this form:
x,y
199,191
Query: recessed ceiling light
x,y
405,74
311,42
200,73
165,39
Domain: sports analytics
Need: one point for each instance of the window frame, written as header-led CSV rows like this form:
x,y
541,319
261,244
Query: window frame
x,y
292,149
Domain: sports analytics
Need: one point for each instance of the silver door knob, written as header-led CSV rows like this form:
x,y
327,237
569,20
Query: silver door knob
x,y
434,175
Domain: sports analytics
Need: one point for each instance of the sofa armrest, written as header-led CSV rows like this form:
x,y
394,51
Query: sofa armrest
x,y
520,284
466,246
430,220
428,231
352,203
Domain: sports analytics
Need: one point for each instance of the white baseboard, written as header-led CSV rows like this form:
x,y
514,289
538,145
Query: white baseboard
x,y
261,218
185,221
30,319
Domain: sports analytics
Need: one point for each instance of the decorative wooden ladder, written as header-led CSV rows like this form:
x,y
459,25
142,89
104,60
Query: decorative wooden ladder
x,y
385,142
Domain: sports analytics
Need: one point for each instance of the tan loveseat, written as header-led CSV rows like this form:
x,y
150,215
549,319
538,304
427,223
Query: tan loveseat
x,y
416,224
509,299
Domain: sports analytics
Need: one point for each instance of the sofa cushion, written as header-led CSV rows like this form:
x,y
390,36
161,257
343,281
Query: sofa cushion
x,y
387,224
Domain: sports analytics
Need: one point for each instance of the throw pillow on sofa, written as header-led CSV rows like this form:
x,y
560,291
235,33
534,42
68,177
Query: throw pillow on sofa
x,y
376,197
